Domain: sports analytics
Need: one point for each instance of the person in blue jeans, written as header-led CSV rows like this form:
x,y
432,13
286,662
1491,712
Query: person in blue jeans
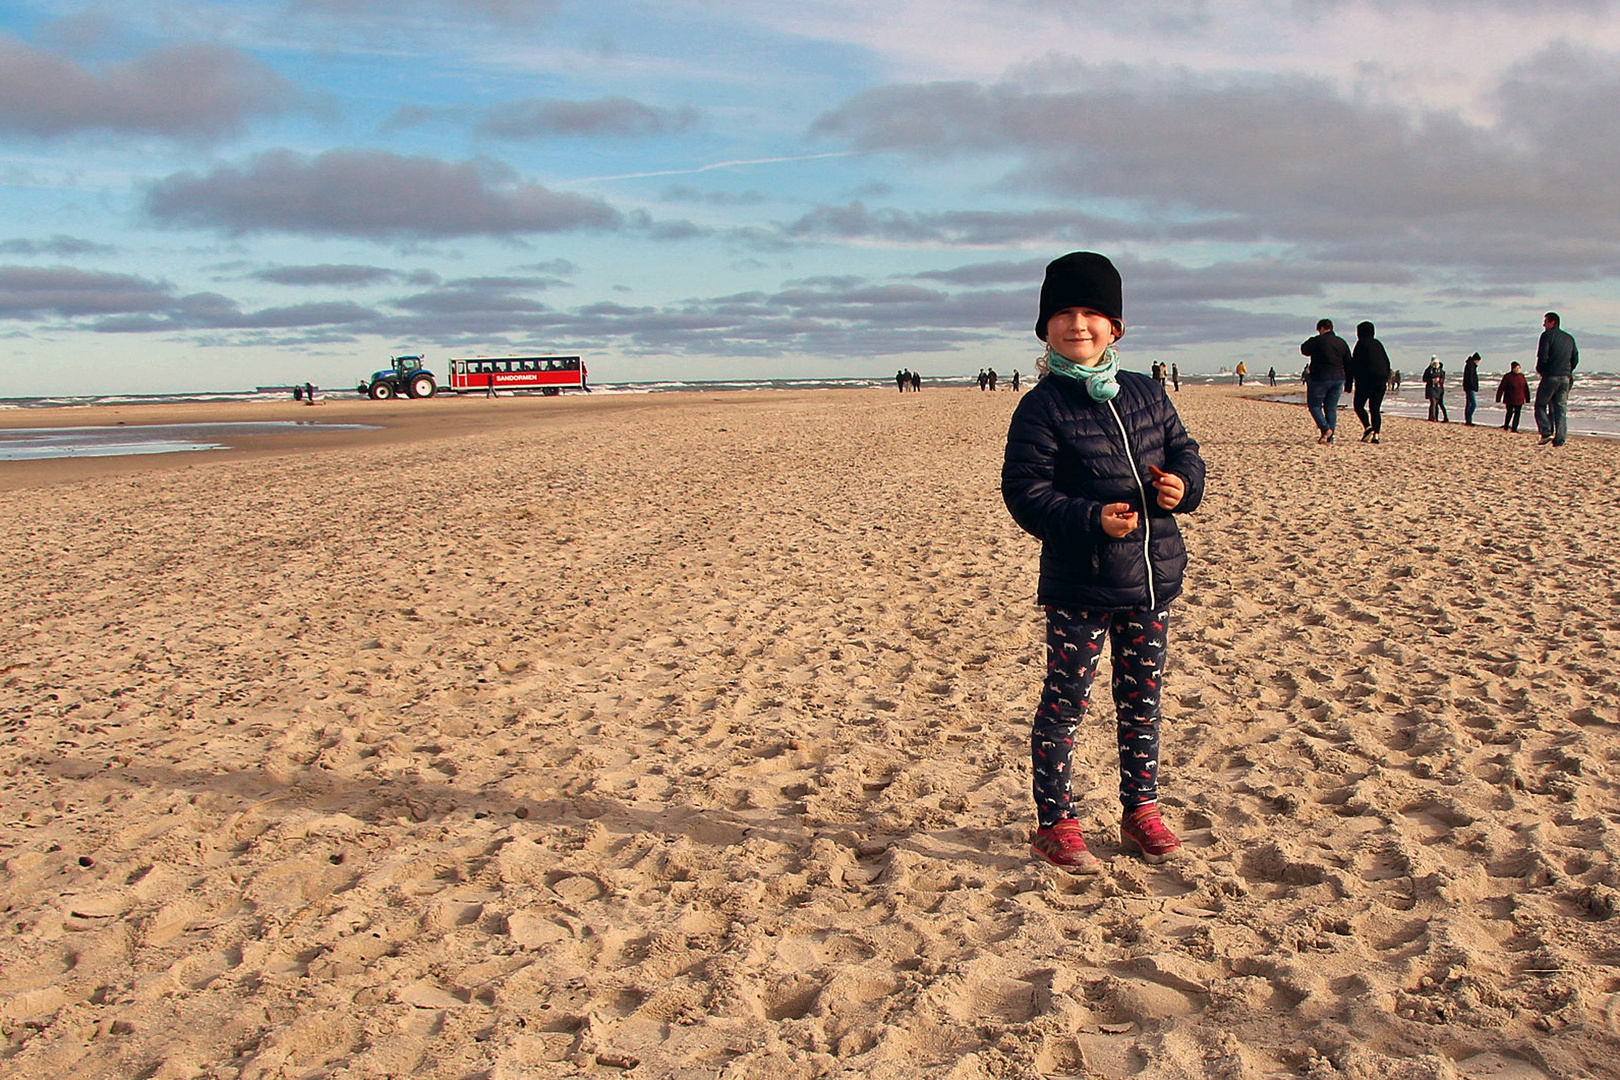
x,y
1556,357
1471,388
1324,379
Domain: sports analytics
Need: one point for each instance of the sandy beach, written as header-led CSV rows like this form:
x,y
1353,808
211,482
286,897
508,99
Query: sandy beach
x,y
686,736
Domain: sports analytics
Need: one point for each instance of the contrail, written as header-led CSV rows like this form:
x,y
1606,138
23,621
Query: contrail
x,y
716,165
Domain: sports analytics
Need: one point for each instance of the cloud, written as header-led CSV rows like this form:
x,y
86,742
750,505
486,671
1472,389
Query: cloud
x,y
839,318
973,228
370,194
62,247
342,276
33,293
500,12
680,193
216,313
618,117
320,313
189,93
1283,158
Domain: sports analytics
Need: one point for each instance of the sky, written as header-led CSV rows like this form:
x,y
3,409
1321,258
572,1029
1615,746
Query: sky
x,y
216,196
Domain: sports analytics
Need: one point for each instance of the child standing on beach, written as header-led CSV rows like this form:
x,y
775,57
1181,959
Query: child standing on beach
x,y
1097,466
1513,393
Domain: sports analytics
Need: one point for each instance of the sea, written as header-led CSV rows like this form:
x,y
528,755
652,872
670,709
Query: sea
x,y
1594,409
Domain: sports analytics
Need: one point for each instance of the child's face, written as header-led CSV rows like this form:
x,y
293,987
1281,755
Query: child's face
x,y
1080,334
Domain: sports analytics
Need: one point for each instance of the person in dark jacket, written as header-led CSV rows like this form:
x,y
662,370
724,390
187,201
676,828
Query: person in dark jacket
x,y
1097,467
1324,379
1434,390
1470,388
1514,393
1367,380
1556,358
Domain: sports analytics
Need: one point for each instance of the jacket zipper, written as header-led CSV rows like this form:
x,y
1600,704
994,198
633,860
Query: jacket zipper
x,y
1147,521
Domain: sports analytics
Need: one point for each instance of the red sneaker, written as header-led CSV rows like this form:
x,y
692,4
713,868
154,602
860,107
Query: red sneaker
x,y
1063,846
1144,828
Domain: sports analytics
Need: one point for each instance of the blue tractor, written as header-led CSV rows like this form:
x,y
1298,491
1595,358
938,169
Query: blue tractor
x,y
406,377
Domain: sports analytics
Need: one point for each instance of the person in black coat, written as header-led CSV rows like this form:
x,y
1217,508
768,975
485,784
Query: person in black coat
x,y
1097,468
1470,388
1324,377
1367,380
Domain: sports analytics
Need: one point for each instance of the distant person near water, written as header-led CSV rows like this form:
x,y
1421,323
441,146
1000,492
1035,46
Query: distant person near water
x,y
1434,390
916,382
1324,377
1514,394
1098,467
902,379
1272,375
1556,358
1470,388
1367,379
1242,370
1175,377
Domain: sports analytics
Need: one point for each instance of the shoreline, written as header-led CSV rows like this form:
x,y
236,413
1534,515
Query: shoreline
x,y
404,421
390,424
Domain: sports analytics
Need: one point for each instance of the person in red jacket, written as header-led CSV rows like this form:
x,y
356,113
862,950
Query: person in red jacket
x,y
1514,393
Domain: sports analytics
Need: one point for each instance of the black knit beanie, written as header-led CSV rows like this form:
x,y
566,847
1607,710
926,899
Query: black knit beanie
x,y
1080,279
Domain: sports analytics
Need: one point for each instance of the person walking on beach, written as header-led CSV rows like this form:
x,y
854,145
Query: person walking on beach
x,y
1272,375
1367,379
1324,377
1242,370
1556,358
1175,377
916,382
1015,380
1514,393
1434,389
1098,467
1470,388
901,377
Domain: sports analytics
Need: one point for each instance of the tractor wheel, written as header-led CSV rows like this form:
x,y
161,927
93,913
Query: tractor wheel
x,y
381,391
422,386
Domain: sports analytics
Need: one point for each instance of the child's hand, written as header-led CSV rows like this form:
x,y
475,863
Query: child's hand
x,y
1118,520
1170,487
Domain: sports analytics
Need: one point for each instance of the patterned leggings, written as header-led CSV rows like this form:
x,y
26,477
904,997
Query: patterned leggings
x,y
1073,650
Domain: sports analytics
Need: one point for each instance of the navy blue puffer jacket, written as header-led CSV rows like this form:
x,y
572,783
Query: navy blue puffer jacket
x,y
1068,455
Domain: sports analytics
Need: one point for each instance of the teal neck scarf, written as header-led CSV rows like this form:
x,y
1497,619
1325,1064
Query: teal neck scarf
x,y
1102,381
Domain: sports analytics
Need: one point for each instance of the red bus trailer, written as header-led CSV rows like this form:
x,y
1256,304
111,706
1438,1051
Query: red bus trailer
x,y
548,374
